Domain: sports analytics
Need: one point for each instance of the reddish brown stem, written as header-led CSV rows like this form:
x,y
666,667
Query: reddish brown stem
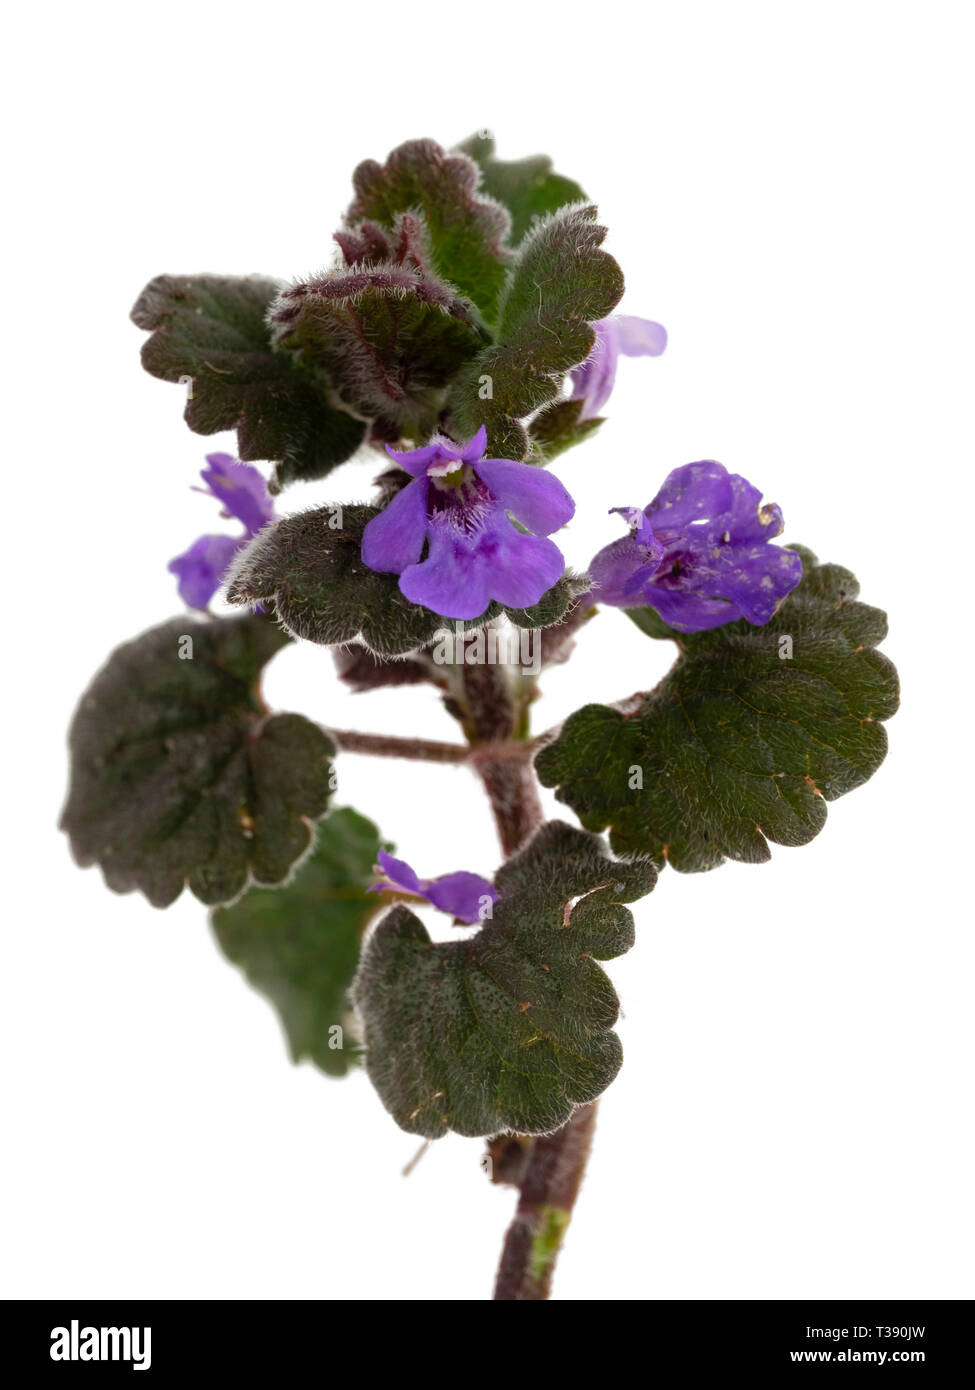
x,y
389,746
554,1163
549,1189
491,717
513,794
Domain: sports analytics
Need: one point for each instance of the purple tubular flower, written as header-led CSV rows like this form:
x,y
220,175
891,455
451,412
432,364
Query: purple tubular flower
x,y
201,568
244,495
457,506
461,894
620,335
240,488
700,553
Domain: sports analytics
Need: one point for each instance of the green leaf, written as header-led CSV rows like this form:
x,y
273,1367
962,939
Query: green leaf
x,y
388,336
466,233
180,775
529,188
508,1029
650,623
558,427
310,567
213,329
747,738
562,283
299,944
553,605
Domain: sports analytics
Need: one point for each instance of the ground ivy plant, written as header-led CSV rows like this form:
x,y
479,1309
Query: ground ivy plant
x,y
462,337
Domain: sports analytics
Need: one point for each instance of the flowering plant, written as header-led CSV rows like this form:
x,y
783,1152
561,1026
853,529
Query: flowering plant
x,y
462,340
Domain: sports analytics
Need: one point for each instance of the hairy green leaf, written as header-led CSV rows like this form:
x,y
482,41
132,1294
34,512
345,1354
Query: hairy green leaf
x,y
509,1029
299,944
747,738
561,284
213,329
551,608
528,188
466,232
650,623
179,774
558,427
388,336
310,566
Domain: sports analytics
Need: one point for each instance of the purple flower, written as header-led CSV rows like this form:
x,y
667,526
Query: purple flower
x,y
457,505
592,380
700,553
461,894
244,495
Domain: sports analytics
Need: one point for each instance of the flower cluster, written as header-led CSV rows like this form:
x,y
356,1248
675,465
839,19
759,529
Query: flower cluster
x,y
468,530
243,494
700,553
449,533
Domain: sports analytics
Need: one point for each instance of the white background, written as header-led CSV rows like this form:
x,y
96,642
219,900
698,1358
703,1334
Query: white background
x,y
788,189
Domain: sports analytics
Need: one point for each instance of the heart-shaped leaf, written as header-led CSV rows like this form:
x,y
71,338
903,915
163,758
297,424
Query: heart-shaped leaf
x,y
466,232
212,331
528,188
389,336
747,738
299,944
179,774
561,284
509,1029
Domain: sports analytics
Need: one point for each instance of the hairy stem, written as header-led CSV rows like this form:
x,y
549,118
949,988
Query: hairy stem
x,y
550,1168
489,711
493,720
389,746
513,793
548,1190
